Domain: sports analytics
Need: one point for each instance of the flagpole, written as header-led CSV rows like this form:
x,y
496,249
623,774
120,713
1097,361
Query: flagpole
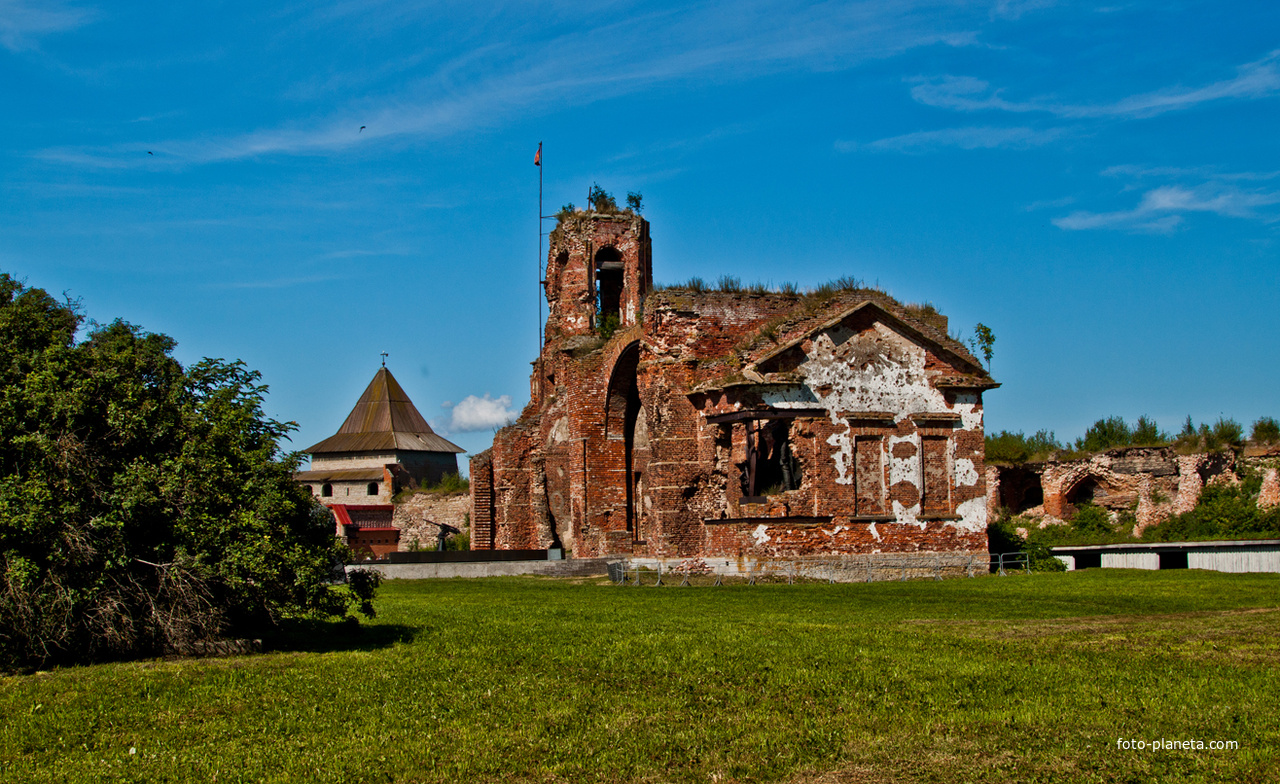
x,y
540,281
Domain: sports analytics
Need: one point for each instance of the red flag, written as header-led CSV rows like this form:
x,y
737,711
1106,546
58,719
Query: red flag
x,y
537,158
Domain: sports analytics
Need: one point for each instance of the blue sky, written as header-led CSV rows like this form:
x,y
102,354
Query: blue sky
x,y
1098,183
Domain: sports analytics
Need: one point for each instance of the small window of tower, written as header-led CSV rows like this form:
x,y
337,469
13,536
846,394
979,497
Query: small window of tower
x,y
609,282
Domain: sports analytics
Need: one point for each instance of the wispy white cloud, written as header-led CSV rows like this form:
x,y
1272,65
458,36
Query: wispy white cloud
x,y
714,41
22,23
1258,79
1162,209
1014,9
1199,173
480,413
969,138
280,283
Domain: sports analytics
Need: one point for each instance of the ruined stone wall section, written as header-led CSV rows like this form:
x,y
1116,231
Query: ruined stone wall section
x,y
1152,482
1269,495
482,511
420,517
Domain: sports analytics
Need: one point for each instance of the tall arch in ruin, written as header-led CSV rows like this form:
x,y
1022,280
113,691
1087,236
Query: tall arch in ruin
x,y
622,411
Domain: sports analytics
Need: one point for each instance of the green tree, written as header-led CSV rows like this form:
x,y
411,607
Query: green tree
x,y
1147,433
601,200
984,341
144,507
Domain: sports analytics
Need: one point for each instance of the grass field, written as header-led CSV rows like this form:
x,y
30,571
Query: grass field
x,y
1027,678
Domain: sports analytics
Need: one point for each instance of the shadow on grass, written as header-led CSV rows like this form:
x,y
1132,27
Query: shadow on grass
x,y
312,636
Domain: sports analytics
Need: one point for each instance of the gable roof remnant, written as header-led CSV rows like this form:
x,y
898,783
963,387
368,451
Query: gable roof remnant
x,y
384,418
763,350
913,328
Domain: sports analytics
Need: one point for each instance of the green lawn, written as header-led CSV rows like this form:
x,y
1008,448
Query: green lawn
x,y
1026,678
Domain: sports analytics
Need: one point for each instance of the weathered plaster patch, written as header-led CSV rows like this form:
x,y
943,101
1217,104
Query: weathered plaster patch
x,y
795,396
973,516
874,533
761,534
874,371
907,514
905,469
969,411
560,430
966,473
843,456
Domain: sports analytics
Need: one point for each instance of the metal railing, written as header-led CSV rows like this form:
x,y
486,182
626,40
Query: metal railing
x,y
1015,560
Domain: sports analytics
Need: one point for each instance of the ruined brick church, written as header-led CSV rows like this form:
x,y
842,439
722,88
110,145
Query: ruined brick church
x,y
684,423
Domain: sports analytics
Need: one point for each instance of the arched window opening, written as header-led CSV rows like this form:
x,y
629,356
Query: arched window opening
x,y
310,489
372,489
326,490
609,285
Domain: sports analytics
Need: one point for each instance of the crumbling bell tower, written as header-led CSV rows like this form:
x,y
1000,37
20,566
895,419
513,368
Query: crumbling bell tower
x,y
599,268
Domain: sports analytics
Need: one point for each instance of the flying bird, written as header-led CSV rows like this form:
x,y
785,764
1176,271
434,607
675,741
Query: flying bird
x,y
149,152
362,127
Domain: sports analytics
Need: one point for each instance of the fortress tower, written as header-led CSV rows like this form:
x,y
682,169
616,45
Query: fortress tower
x,y
599,268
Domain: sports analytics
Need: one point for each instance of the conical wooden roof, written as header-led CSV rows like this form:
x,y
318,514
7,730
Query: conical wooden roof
x,y
384,419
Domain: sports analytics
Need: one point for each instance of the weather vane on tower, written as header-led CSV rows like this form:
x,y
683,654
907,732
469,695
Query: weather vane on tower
x,y
384,356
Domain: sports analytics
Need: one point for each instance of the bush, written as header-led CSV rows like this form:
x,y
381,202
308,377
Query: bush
x,y
1228,431
460,541
607,324
1090,520
1222,513
1002,537
1105,434
144,507
600,199
1223,433
1016,448
1266,431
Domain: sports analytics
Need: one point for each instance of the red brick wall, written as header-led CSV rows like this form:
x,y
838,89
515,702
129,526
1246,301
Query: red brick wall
x,y
907,483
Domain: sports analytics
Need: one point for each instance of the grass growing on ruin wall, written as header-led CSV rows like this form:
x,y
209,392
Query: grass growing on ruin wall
x,y
1030,678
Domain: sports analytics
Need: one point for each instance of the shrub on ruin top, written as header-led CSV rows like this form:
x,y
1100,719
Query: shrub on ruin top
x,y
1016,448
1265,431
450,484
